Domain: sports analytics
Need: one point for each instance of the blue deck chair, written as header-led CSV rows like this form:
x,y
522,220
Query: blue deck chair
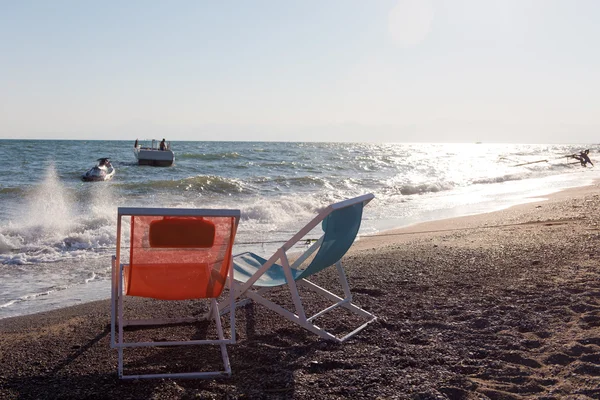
x,y
254,275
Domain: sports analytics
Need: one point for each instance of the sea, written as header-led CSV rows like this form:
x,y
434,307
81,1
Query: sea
x,y
58,233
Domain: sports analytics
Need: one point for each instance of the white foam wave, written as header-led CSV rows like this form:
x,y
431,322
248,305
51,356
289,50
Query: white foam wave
x,y
279,211
8,304
8,243
500,179
427,187
91,278
51,226
32,296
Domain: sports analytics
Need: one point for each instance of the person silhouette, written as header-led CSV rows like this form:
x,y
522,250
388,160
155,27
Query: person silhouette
x,y
583,158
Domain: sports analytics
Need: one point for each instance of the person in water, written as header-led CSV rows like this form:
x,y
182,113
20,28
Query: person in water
x,y
583,158
163,145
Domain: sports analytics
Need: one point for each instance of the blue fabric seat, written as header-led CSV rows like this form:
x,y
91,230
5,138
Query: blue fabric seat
x,y
254,275
246,264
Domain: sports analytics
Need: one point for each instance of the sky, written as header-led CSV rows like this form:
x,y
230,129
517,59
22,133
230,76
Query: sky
x,y
522,71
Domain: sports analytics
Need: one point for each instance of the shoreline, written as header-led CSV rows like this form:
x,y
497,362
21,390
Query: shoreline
x,y
373,241
502,305
473,221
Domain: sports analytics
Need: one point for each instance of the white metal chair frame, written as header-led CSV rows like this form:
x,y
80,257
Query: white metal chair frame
x,y
300,317
117,316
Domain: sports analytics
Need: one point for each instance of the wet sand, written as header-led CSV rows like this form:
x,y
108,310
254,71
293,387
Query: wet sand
x,y
503,305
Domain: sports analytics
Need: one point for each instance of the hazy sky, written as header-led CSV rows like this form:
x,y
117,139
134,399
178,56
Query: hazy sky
x,y
339,70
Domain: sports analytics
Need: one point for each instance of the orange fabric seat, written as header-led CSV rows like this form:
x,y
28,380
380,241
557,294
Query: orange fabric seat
x,y
173,281
182,232
178,258
172,254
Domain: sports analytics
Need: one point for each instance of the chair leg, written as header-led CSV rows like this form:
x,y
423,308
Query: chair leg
x,y
293,288
208,314
247,300
343,279
226,306
300,317
120,319
291,316
113,302
342,302
217,316
222,342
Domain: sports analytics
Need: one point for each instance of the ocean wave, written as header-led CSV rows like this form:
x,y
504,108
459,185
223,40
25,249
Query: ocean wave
x,y
33,296
9,303
210,156
12,190
9,243
296,181
87,237
422,188
202,183
282,165
91,278
499,179
281,210
44,255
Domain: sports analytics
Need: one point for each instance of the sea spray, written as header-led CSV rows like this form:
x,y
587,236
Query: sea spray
x,y
42,223
49,206
100,203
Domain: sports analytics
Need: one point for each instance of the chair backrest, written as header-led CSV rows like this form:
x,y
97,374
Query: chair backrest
x,y
178,256
340,228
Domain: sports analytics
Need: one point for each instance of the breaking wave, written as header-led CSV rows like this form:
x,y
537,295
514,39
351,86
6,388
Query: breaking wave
x,y
224,156
211,183
500,179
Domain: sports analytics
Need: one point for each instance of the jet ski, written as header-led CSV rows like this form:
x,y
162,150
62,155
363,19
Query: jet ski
x,y
102,171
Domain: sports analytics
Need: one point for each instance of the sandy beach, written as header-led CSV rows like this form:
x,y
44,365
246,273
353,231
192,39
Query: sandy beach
x,y
504,305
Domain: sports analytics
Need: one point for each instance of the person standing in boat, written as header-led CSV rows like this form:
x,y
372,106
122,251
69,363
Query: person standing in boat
x,y
163,145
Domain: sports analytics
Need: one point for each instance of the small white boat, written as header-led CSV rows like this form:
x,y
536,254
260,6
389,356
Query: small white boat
x,y
102,171
158,155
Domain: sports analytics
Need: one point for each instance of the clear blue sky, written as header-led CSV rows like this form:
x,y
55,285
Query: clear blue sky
x,y
339,70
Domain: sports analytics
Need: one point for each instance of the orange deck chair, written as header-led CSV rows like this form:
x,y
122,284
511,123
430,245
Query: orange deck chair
x,y
174,254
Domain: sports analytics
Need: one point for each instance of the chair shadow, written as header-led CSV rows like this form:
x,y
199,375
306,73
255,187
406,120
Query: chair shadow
x,y
264,365
81,350
88,386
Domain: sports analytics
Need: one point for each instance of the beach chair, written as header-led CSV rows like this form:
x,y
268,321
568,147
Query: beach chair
x,y
174,254
255,276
